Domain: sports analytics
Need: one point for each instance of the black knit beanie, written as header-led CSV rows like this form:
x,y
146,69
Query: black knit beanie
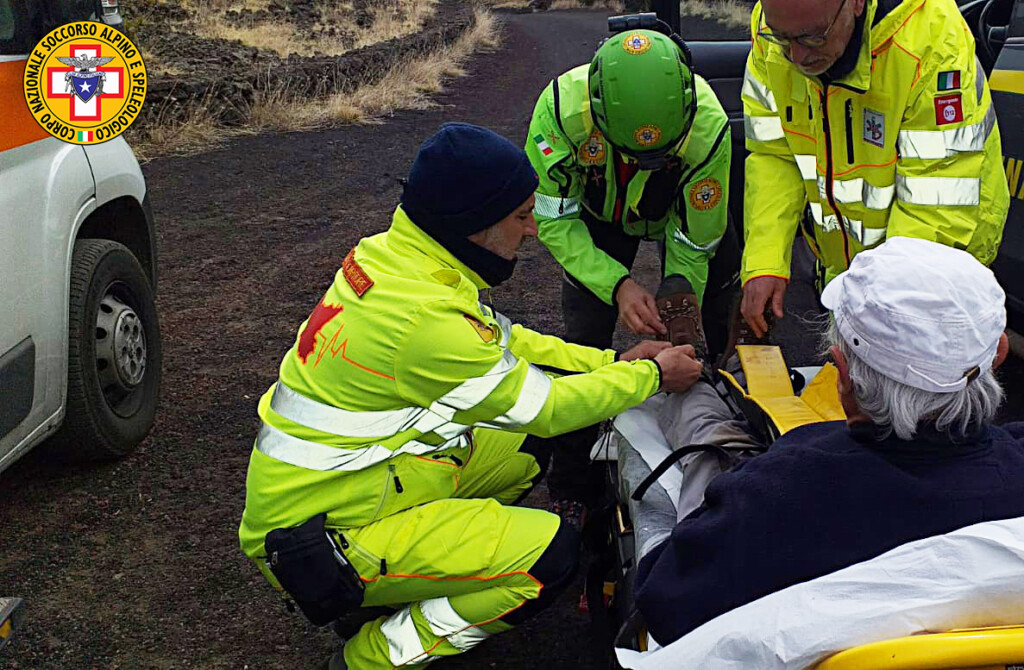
x,y
466,178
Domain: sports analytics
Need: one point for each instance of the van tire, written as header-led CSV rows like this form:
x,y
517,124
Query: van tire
x,y
112,391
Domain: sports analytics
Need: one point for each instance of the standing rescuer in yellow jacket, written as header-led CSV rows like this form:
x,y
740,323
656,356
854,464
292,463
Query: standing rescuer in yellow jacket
x,y
408,417
864,119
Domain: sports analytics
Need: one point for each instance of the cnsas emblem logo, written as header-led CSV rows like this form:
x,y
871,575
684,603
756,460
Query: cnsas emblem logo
x,y
85,82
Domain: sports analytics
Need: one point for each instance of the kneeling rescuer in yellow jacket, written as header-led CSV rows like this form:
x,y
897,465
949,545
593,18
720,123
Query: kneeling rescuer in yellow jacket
x,y
408,418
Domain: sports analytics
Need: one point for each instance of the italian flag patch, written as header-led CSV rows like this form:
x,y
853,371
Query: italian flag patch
x,y
84,135
545,148
949,81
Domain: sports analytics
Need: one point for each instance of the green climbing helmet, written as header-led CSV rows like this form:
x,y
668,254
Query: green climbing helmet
x,y
642,95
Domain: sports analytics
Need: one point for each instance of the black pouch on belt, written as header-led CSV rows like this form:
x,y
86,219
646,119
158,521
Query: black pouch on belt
x,y
312,568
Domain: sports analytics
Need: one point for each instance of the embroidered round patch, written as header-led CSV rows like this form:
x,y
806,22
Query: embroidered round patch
x,y
636,43
647,135
592,152
705,194
85,82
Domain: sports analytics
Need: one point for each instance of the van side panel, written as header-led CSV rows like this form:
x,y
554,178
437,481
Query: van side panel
x,y
19,127
18,379
46,190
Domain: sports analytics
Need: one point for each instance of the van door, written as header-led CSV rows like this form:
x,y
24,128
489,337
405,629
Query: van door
x,y
46,187
1007,85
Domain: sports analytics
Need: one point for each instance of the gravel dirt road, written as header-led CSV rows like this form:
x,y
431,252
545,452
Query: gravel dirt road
x,y
136,564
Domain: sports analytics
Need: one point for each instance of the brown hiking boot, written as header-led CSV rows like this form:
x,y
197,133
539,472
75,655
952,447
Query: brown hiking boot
x,y
740,331
679,311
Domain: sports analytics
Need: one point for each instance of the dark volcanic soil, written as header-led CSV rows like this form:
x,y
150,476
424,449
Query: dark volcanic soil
x,y
136,564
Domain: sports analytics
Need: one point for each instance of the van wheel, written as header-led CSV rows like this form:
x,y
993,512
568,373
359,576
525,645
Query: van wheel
x,y
113,354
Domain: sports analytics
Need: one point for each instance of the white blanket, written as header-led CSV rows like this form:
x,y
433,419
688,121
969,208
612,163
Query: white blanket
x,y
968,578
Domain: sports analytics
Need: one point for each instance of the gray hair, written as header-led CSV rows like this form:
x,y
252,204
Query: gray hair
x,y
899,408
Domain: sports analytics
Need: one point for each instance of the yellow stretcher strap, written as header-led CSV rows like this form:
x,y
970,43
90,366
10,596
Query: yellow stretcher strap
x,y
766,371
769,387
822,396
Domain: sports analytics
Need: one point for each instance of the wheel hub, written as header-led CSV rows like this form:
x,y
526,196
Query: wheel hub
x,y
120,345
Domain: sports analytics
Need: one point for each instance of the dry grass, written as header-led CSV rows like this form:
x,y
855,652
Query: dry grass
x,y
399,18
394,19
730,12
199,132
612,5
407,86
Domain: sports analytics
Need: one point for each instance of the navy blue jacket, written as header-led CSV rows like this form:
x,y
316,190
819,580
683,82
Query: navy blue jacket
x,y
822,498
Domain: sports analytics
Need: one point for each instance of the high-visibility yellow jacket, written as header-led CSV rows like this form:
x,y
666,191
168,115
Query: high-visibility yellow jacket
x,y
905,144
685,204
376,401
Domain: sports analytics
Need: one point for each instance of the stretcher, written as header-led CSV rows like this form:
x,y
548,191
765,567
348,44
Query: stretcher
x,y
774,399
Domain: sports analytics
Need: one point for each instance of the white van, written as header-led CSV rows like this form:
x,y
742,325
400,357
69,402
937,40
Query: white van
x,y
79,339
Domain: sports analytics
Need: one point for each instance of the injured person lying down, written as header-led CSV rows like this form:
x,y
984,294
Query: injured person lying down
x,y
917,330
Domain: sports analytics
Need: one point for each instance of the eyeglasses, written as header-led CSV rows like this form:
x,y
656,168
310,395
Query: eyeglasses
x,y
809,41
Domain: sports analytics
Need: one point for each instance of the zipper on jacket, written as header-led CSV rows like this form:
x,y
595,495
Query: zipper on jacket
x,y
829,195
387,487
849,132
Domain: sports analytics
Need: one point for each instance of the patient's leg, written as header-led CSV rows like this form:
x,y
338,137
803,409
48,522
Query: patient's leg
x,y
700,416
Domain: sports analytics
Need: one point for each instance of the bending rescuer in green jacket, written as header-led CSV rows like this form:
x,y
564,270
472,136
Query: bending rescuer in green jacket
x,y
396,439
632,146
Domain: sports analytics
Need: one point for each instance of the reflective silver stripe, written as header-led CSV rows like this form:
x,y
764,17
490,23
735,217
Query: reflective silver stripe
x,y
437,419
979,78
808,165
404,646
763,128
472,392
868,237
755,90
532,396
859,191
708,248
445,622
304,411
936,144
323,458
506,328
553,207
307,412
828,223
939,191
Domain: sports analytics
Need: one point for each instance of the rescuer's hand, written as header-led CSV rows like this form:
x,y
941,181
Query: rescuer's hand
x,y
638,310
646,349
756,294
680,368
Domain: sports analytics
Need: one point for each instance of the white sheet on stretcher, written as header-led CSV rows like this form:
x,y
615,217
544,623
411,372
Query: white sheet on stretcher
x,y
968,578
640,426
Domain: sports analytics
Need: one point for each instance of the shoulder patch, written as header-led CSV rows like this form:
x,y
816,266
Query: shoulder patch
x,y
485,332
592,152
705,194
355,275
949,109
949,80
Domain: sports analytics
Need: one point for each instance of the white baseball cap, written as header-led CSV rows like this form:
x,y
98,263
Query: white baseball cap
x,y
919,312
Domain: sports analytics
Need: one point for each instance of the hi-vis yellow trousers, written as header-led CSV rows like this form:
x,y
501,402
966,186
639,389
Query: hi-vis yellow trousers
x,y
464,568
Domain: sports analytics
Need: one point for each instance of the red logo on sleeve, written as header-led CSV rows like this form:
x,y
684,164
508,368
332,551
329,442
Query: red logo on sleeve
x,y
321,315
948,109
354,274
